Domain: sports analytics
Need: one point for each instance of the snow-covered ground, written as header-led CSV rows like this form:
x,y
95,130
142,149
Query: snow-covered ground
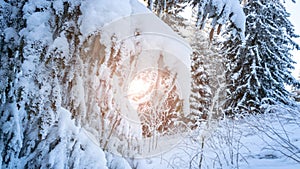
x,y
268,141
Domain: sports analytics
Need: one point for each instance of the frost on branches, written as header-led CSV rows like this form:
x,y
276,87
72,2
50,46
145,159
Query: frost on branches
x,y
58,101
219,11
259,70
40,85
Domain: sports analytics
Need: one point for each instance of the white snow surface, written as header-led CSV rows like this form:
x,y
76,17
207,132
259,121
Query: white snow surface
x,y
94,157
254,142
98,13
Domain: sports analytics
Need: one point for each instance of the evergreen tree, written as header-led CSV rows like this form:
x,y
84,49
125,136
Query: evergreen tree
x,y
207,71
32,75
259,69
218,11
200,99
12,100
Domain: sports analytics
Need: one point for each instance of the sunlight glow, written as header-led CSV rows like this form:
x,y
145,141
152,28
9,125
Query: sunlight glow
x,y
139,89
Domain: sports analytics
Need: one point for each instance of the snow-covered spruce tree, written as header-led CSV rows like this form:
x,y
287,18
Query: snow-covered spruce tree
x,y
259,69
206,55
57,83
201,92
213,64
200,99
11,105
39,47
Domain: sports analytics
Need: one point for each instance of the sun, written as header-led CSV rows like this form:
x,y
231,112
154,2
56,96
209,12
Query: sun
x,y
139,89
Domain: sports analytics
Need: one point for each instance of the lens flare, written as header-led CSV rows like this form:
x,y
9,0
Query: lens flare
x,y
139,89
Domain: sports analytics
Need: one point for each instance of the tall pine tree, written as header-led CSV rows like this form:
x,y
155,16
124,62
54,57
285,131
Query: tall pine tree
x,y
259,70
